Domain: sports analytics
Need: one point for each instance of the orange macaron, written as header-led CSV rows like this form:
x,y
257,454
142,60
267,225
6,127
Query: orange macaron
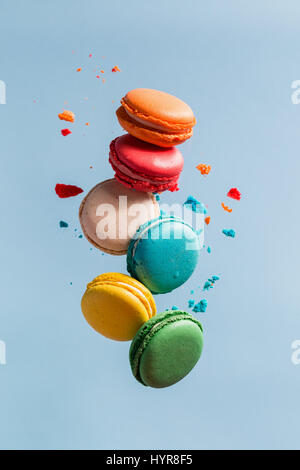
x,y
156,117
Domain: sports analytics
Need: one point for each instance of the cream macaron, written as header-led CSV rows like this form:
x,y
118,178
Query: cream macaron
x,y
110,215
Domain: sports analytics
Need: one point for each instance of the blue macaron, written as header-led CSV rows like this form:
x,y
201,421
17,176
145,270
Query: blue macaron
x,y
164,253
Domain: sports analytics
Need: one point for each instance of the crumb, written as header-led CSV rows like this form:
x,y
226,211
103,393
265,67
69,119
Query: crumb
x,y
229,233
97,76
195,205
90,55
207,285
101,71
65,132
175,308
157,196
234,194
71,283
63,224
200,306
208,249
115,69
210,282
226,208
191,303
80,236
204,169
87,123
91,167
79,69
207,220
67,116
67,190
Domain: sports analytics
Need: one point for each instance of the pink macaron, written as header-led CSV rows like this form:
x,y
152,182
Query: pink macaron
x,y
143,166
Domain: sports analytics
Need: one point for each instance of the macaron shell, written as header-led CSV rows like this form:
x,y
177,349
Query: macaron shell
x,y
171,354
113,311
159,108
148,159
159,138
123,224
163,254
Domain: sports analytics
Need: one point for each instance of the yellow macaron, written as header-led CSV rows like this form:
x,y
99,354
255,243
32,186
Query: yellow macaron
x,y
116,305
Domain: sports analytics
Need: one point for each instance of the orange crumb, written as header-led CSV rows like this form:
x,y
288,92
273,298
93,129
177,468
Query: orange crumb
x,y
79,70
226,208
91,167
87,123
115,69
67,116
204,169
207,220
101,71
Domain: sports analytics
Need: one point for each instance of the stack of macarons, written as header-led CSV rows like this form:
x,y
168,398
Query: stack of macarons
x,y
122,216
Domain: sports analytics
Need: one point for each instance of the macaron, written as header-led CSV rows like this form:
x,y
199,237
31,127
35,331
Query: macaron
x,y
156,117
111,213
164,253
166,348
116,305
143,166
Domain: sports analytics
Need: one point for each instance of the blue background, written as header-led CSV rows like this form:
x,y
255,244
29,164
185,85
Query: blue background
x,y
64,386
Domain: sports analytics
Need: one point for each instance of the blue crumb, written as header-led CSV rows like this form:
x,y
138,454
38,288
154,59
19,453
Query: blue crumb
x,y
191,303
71,283
200,306
157,196
175,308
208,249
195,205
209,284
63,224
80,236
229,233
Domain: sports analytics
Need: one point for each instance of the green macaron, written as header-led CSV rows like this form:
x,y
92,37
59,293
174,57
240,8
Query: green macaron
x,y
166,348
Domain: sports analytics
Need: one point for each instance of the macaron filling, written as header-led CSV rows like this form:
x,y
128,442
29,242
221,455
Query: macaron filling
x,y
140,294
156,127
